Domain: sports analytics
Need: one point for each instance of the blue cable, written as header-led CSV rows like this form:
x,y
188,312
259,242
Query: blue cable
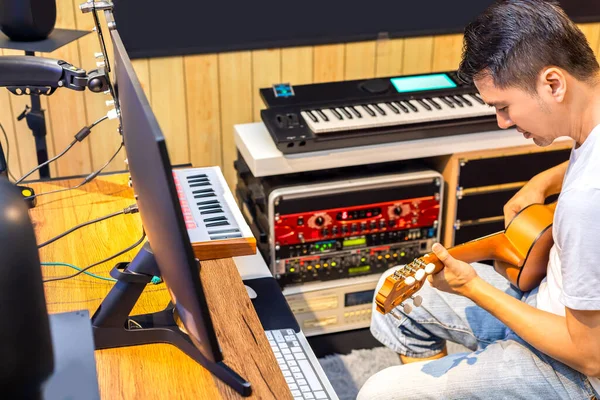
x,y
155,280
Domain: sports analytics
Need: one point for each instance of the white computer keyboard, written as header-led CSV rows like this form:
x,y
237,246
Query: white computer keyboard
x,y
300,367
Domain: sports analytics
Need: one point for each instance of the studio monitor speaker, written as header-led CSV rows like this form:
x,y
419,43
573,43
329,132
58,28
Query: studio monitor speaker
x,y
27,20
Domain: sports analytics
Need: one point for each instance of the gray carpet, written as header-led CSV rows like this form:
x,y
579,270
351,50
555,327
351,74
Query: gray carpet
x,y
347,373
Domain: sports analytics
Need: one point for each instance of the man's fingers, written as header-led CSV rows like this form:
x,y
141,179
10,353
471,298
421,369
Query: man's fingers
x,y
442,254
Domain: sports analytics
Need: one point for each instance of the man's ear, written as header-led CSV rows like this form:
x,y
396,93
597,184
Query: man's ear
x,y
552,84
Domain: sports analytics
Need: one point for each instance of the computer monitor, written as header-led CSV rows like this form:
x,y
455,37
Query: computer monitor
x,y
171,255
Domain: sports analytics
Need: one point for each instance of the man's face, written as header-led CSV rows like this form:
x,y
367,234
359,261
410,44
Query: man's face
x,y
532,116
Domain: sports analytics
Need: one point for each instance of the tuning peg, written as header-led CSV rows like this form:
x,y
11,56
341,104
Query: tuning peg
x,y
407,308
420,274
429,268
417,300
409,281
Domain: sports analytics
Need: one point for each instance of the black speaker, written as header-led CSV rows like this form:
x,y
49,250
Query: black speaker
x,y
27,20
25,340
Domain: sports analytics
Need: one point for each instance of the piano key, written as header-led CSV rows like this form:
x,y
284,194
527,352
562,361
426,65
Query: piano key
x,y
207,202
337,114
198,184
410,105
212,211
378,109
201,196
223,231
425,105
310,115
368,110
477,98
196,176
322,115
464,100
393,108
213,219
434,103
209,207
219,223
401,106
198,180
199,191
355,111
447,102
345,113
456,100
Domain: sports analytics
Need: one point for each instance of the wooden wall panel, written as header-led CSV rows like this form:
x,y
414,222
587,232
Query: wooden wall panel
x,y
360,60
206,95
168,93
328,63
203,109
66,108
447,50
266,71
389,57
235,88
105,138
418,55
297,65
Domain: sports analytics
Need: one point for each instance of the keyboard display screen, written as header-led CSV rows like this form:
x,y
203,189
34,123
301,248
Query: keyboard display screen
x,y
422,83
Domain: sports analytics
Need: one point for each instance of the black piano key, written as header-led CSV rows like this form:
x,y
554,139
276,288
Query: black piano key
x,y
198,184
201,196
465,100
196,180
477,98
337,114
378,109
434,103
411,105
211,206
214,219
401,106
219,223
322,115
199,191
220,231
207,202
393,108
212,211
456,100
448,102
196,176
425,105
345,112
368,109
312,116
232,236
356,112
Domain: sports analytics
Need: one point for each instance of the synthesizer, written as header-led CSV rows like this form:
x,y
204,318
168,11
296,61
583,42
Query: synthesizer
x,y
361,112
214,223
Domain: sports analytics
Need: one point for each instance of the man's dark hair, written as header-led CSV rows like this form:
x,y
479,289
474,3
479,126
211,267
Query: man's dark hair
x,y
513,40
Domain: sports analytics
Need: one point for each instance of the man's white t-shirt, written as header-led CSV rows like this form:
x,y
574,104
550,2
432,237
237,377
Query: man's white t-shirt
x,y
573,275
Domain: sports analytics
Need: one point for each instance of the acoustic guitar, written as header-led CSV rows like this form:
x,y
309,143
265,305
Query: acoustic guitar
x,y
521,253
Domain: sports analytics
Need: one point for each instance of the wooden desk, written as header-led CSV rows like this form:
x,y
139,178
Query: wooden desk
x,y
157,371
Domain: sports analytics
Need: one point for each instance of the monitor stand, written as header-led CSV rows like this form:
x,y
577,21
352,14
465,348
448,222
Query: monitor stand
x,y
114,327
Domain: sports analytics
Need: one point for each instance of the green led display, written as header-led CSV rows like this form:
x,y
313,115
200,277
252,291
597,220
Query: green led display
x,y
362,241
422,82
359,270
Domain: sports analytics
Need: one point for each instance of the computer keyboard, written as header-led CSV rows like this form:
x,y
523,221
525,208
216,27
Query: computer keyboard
x,y
300,368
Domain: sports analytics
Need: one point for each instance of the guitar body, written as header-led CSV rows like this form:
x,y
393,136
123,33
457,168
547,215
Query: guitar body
x,y
521,254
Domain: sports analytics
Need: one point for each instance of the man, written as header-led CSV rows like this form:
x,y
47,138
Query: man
x,y
532,64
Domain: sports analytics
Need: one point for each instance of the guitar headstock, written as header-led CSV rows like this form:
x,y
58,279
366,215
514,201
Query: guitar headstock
x,y
405,282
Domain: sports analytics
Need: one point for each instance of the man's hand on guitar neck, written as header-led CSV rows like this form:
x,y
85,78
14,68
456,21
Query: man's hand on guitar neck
x,y
455,276
542,185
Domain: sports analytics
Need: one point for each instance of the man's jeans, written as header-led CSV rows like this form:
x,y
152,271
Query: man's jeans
x,y
501,366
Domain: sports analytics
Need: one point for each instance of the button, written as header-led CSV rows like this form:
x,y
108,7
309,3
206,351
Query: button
x,y
373,224
26,192
363,226
300,221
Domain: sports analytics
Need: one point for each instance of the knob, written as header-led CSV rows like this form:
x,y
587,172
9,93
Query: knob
x,y
410,281
429,268
420,274
363,226
344,228
373,224
334,230
407,308
301,237
320,220
398,210
417,300
382,224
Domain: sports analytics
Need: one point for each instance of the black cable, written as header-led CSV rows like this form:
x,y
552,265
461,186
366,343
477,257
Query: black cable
x,y
87,180
7,154
132,209
82,134
133,246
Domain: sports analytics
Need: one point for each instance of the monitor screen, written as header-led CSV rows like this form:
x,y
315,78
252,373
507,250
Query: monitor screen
x,y
162,218
420,83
